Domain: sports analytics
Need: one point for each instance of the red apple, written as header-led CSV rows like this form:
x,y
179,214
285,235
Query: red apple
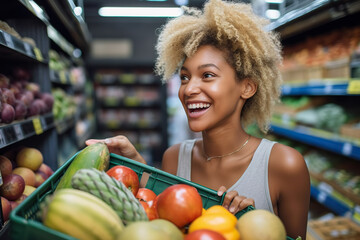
x,y
13,187
46,169
6,208
180,204
204,234
40,178
145,194
150,211
127,176
5,166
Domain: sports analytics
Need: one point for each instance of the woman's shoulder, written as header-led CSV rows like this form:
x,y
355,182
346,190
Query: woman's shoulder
x,y
170,158
287,160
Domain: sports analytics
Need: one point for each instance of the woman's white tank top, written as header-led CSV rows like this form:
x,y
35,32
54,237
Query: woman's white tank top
x,y
252,184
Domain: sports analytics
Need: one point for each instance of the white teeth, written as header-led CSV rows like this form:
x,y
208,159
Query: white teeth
x,y
198,105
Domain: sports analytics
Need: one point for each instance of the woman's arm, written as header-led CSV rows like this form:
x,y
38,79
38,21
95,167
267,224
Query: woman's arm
x,y
170,159
289,180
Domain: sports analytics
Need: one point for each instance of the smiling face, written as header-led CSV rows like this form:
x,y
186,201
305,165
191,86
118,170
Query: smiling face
x,y
209,91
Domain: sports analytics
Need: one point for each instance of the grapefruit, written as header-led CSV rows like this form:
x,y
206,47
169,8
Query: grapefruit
x,y
30,158
260,224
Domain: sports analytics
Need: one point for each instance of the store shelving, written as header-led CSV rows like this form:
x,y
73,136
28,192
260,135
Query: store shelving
x,y
325,197
305,15
320,80
338,87
321,139
132,102
18,131
16,47
26,45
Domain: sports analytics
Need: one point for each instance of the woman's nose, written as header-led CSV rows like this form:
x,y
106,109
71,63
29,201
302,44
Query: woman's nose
x,y
192,87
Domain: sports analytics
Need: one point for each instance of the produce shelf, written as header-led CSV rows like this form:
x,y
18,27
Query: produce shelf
x,y
13,47
63,125
20,130
330,202
128,103
310,136
325,88
60,77
314,14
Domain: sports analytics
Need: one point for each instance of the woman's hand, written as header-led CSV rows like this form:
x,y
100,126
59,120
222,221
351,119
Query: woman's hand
x,y
233,202
120,145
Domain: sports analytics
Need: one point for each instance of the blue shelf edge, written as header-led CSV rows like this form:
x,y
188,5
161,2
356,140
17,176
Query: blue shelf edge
x,y
321,89
344,148
330,202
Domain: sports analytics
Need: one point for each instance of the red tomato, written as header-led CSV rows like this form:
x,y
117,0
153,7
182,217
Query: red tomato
x,y
180,204
149,210
127,176
204,234
145,194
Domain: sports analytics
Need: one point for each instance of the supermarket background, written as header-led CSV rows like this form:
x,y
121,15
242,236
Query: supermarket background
x,y
99,71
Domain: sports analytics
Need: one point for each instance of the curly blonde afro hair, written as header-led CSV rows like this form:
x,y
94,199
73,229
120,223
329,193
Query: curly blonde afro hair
x,y
233,28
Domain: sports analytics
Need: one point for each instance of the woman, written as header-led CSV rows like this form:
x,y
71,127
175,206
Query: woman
x,y
228,66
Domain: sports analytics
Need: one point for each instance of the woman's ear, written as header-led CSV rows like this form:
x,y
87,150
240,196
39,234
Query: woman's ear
x,y
249,88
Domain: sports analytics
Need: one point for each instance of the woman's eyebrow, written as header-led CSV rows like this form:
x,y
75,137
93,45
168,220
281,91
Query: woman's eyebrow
x,y
202,66
184,68
208,65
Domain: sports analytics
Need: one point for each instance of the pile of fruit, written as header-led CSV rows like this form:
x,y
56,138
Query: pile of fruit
x,y
20,98
93,201
22,172
64,104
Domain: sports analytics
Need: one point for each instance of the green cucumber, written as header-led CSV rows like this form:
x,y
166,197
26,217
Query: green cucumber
x,y
93,156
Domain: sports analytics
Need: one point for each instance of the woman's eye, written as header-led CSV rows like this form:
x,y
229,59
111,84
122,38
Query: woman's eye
x,y
208,75
184,78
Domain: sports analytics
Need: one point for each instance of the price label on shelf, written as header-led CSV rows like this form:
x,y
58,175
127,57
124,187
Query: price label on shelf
x,y
28,49
18,131
2,139
354,87
43,122
37,126
38,54
326,188
347,149
328,88
321,197
9,40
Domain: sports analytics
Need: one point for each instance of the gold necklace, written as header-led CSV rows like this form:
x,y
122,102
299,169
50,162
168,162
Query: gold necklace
x,y
228,154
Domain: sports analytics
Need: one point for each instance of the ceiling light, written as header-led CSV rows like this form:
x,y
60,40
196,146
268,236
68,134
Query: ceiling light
x,y
140,12
274,1
78,11
272,14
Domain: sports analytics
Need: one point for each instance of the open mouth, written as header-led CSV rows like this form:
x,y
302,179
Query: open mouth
x,y
198,107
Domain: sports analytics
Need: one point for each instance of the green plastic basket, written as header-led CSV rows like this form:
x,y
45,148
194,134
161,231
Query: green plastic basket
x,y
25,223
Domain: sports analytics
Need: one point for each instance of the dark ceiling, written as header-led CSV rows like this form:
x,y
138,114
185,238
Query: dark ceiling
x,y
142,32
